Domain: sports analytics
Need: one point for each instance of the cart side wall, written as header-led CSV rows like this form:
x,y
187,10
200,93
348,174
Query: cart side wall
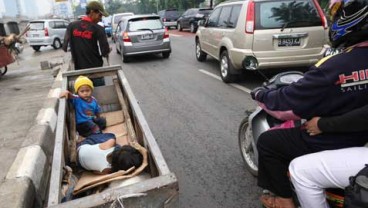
x,y
162,189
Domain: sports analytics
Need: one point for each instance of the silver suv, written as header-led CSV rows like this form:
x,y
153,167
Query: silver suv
x,y
258,34
46,32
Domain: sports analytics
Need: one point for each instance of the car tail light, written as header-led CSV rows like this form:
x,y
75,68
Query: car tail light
x,y
126,37
166,34
321,14
249,24
46,32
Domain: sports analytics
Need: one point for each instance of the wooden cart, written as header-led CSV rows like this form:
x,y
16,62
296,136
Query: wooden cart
x,y
114,93
5,59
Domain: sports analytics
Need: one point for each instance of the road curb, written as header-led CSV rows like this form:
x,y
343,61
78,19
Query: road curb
x,y
26,183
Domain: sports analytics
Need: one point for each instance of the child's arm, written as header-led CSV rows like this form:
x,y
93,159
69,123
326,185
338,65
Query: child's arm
x,y
66,94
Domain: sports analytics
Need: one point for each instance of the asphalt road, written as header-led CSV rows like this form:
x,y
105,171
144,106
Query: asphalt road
x,y
194,116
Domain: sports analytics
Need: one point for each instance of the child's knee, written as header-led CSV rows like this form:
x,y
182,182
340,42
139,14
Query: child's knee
x,y
101,122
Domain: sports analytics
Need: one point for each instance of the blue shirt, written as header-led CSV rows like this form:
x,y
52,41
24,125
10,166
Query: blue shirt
x,y
84,110
97,138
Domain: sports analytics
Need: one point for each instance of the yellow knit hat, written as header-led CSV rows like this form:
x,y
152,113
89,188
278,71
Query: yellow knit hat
x,y
82,80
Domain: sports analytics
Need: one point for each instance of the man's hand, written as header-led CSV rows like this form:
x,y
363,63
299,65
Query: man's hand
x,y
254,92
312,126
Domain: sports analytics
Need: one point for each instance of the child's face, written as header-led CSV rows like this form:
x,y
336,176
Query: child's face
x,y
85,92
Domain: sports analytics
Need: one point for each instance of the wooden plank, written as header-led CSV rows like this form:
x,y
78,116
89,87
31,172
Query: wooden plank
x,y
73,136
93,71
128,121
106,95
155,151
156,184
58,156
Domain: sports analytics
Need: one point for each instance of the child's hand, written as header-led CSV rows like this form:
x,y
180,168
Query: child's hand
x,y
64,94
312,126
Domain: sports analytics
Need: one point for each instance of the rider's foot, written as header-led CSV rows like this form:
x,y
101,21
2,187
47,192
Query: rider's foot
x,y
270,201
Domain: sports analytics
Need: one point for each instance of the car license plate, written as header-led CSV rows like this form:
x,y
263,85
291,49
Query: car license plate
x,y
289,42
147,36
35,35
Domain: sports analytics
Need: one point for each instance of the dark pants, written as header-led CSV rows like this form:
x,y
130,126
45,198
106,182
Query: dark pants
x,y
276,149
91,127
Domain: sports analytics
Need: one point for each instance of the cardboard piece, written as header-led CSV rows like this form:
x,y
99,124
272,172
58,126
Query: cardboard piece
x,y
113,118
120,132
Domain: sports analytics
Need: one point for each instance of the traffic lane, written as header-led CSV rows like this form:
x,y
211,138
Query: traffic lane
x,y
246,81
195,120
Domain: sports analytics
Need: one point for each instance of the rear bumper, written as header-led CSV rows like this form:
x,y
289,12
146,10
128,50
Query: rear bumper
x,y
132,50
278,61
40,41
170,24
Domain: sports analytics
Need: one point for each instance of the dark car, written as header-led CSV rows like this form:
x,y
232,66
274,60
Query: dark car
x,y
169,17
191,17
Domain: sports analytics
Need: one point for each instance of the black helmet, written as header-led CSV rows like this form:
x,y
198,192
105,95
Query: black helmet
x,y
349,22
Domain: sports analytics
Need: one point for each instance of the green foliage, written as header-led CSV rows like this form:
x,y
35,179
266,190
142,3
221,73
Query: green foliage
x,y
144,6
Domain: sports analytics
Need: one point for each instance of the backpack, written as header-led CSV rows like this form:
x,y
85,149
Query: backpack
x,y
356,194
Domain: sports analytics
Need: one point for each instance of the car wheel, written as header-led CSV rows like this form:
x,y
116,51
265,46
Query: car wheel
x,y
246,147
126,59
3,70
226,68
36,48
56,44
166,54
193,28
118,51
200,55
179,27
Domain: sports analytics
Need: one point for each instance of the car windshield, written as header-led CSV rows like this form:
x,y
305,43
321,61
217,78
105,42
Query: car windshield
x,y
119,16
205,11
144,24
36,25
172,14
281,14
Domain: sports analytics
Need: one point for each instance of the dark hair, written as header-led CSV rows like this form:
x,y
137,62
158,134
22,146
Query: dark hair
x,y
125,157
88,10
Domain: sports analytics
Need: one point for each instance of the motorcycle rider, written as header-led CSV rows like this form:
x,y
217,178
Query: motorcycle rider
x,y
335,85
312,173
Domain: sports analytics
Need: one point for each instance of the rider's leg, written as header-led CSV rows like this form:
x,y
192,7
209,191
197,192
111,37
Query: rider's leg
x,y
276,148
312,173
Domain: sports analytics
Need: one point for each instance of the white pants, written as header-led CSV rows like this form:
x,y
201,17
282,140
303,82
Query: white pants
x,y
311,174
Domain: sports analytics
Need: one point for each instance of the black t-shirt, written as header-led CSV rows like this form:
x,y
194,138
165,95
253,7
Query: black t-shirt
x,y
84,37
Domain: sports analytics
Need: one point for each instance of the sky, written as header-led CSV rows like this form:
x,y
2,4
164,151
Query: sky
x,y
31,8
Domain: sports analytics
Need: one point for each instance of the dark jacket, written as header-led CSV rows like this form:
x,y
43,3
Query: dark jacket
x,y
334,86
83,36
353,121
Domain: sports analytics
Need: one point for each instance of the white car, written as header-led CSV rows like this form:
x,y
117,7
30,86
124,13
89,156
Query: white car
x,y
46,32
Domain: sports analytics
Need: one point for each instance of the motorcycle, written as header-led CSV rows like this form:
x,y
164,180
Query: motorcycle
x,y
258,121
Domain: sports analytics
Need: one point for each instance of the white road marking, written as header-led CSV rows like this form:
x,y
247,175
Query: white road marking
x,y
239,87
175,35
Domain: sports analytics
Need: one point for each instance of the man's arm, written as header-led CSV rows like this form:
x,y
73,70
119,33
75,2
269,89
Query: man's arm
x,y
67,38
304,98
102,40
353,121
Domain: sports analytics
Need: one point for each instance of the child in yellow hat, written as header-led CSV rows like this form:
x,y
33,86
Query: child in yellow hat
x,y
87,110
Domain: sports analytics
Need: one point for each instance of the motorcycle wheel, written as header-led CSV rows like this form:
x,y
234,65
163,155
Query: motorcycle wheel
x,y
3,71
246,147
